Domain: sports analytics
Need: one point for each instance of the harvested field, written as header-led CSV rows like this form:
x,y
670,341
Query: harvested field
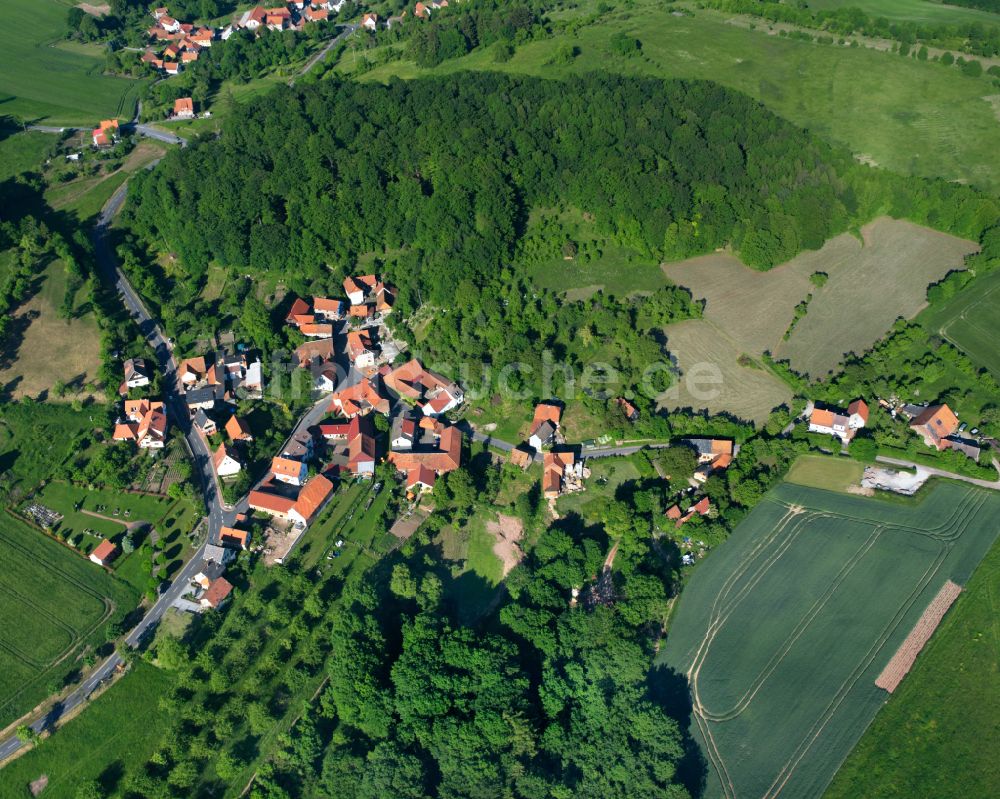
x,y
897,668
868,288
508,532
712,377
784,629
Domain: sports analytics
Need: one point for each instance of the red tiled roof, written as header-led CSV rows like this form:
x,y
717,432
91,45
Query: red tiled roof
x,y
312,496
237,429
286,466
218,590
271,503
104,551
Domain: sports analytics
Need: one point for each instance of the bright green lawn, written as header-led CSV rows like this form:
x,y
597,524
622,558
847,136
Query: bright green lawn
x,y
970,320
115,734
912,11
53,85
832,473
23,151
867,100
938,735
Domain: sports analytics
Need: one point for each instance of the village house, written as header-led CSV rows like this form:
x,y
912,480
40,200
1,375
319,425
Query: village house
x,y
421,11
360,399
934,424
288,470
216,594
545,425
311,499
313,353
183,108
253,18
629,411
701,507
361,350
106,133
238,430
714,454
200,371
204,398
369,21
234,537
225,462
433,394
300,313
315,14
561,472
204,422
328,310
834,422
368,295
351,446
104,553
313,330
146,424
172,67
137,373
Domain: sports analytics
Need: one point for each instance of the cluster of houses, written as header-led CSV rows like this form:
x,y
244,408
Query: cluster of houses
x,y
144,424
562,466
937,425
182,42
714,456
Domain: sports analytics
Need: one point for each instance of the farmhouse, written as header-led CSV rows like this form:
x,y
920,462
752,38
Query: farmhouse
x,y
106,133
432,393
967,446
311,500
561,472
136,373
437,450
934,424
834,422
104,553
225,462
289,471
183,108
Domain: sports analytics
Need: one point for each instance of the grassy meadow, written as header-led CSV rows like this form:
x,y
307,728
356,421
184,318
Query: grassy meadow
x,y
921,11
115,734
944,712
831,473
810,597
55,85
868,101
62,602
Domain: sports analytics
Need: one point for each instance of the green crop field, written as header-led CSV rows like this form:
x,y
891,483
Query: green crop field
x,y
943,714
831,473
54,85
866,100
60,602
912,11
114,736
970,320
809,599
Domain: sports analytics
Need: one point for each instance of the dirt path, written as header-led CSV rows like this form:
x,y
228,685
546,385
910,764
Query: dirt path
x,y
508,532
